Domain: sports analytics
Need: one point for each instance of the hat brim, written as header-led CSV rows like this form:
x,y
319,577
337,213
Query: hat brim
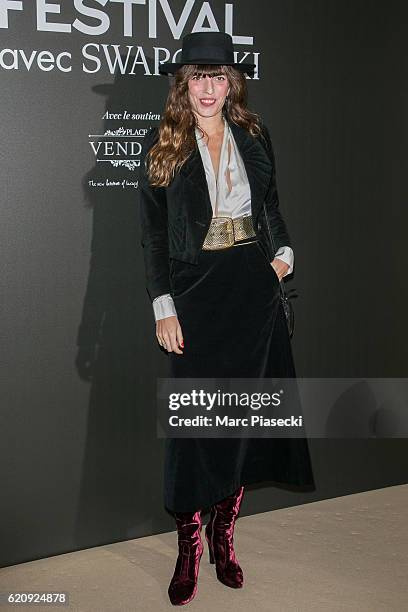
x,y
171,68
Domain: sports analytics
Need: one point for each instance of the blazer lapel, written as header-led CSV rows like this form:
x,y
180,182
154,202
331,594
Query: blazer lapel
x,y
193,171
256,161
257,165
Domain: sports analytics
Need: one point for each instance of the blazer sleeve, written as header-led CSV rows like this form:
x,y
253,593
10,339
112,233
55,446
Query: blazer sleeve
x,y
277,223
154,227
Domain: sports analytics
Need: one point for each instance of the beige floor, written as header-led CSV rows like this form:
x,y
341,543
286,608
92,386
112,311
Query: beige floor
x,y
347,553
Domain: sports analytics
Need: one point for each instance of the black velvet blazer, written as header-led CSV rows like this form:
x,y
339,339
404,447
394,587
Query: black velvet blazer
x,y
175,219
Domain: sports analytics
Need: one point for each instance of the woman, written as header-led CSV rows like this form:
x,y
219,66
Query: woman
x,y
214,284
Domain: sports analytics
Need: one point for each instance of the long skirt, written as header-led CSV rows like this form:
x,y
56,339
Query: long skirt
x,y
234,326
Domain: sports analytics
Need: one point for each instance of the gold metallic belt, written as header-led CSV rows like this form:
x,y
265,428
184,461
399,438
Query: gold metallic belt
x,y
224,232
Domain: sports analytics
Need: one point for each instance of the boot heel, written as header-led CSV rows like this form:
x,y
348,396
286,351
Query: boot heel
x,y
210,548
208,536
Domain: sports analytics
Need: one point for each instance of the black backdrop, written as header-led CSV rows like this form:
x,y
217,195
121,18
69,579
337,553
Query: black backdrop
x,y
80,460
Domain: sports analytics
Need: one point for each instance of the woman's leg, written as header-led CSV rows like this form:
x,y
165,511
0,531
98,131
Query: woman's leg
x,y
183,585
219,534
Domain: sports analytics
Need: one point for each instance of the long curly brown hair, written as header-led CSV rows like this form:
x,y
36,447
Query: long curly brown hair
x,y
176,129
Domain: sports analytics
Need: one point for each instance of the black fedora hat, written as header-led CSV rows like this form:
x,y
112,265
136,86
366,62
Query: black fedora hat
x,y
214,48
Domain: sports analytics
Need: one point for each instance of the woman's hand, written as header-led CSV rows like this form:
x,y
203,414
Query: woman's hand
x,y
280,267
169,335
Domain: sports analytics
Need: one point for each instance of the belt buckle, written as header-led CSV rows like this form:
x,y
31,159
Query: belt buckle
x,y
243,228
220,234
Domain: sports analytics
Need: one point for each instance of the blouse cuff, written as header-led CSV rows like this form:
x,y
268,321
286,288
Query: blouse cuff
x,y
163,306
285,253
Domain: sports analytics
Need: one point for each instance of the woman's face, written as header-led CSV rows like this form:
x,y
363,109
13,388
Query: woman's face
x,y
207,93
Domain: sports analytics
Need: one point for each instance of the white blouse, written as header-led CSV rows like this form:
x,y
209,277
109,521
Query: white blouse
x,y
234,200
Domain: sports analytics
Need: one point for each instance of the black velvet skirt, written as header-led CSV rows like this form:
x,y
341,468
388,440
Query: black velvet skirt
x,y
234,326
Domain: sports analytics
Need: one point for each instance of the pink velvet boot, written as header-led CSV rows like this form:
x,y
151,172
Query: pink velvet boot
x,y
183,585
219,534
